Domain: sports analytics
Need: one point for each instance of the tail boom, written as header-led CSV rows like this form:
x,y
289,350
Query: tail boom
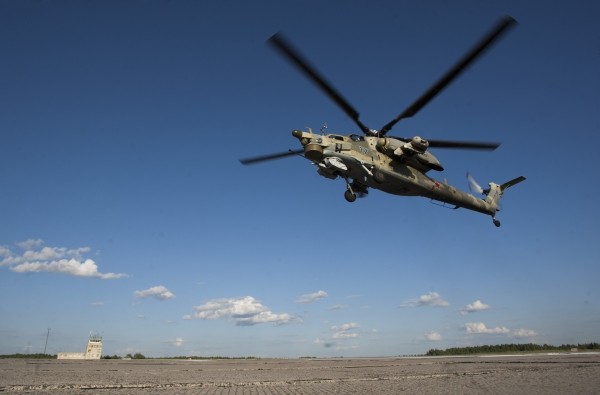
x,y
489,205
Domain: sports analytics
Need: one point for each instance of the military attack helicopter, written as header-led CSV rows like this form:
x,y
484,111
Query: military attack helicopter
x,y
395,165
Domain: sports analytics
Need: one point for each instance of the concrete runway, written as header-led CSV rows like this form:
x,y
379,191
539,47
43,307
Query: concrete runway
x,y
522,374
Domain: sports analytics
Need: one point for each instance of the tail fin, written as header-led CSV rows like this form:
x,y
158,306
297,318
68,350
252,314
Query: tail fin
x,y
496,191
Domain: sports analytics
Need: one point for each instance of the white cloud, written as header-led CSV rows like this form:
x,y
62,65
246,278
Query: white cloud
x,y
244,311
429,299
87,268
433,336
523,332
36,258
474,307
4,253
312,297
178,342
45,254
338,307
30,244
480,327
345,331
159,292
345,335
325,343
345,327
340,336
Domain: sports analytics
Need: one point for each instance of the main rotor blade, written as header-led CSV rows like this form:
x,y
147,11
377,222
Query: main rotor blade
x,y
475,145
436,88
286,49
264,158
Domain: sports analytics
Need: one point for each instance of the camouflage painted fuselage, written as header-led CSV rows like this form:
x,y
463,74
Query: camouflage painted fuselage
x,y
387,164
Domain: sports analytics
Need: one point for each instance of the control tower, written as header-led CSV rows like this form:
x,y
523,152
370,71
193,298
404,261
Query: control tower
x,y
94,347
92,351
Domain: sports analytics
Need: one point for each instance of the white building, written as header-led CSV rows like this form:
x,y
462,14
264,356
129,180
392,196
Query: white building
x,y
92,351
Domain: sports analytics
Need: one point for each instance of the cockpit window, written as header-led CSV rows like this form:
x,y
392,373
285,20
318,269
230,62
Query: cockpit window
x,y
336,137
356,137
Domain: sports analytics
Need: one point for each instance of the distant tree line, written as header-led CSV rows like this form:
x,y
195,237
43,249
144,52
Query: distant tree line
x,y
502,348
213,357
137,355
29,356
142,356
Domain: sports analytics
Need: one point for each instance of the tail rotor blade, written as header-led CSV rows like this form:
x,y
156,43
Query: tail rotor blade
x,y
474,187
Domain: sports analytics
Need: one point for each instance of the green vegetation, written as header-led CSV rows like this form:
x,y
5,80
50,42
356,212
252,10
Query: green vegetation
x,y
213,357
473,350
137,355
29,356
505,348
142,356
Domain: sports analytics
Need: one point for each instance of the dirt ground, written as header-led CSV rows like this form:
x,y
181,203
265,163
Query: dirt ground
x,y
523,374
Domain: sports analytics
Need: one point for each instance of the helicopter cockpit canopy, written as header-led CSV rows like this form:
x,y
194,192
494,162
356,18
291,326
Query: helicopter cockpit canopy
x,y
336,137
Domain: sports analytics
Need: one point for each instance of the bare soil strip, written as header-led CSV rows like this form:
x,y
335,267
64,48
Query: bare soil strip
x,y
520,374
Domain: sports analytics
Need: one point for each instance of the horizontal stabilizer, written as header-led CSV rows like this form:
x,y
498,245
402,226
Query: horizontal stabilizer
x,y
511,183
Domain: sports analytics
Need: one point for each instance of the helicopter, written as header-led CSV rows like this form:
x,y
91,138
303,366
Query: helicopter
x,y
395,165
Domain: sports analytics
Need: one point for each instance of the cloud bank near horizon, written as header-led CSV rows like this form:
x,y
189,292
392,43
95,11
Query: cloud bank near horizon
x,y
33,257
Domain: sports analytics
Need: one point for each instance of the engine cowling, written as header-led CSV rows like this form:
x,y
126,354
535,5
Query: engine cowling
x,y
388,145
413,152
419,144
392,146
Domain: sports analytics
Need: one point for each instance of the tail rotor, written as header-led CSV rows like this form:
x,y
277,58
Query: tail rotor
x,y
493,193
474,186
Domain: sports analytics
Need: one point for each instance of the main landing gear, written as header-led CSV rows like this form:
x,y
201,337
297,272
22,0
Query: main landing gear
x,y
354,190
349,195
496,222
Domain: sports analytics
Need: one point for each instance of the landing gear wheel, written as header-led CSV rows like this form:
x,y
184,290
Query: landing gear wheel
x,y
379,177
496,222
350,196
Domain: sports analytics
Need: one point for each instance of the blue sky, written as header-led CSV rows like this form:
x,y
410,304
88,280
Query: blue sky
x,y
124,210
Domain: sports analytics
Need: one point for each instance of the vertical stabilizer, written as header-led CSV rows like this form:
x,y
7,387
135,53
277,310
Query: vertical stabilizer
x,y
496,191
494,195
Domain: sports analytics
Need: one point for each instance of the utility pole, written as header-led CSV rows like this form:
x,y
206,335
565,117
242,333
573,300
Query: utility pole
x,y
47,336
